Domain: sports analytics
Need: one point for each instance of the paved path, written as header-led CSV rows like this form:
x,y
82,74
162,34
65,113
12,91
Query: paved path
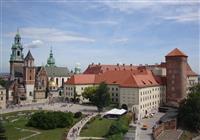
x,y
150,122
196,138
28,130
170,135
74,132
90,138
65,107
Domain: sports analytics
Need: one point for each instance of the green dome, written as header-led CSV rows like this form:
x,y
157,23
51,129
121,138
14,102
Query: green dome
x,y
51,60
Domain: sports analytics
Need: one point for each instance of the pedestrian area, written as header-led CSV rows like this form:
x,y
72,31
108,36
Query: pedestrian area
x,y
170,135
74,132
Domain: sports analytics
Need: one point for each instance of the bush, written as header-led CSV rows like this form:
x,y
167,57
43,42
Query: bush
x,y
119,127
50,120
77,114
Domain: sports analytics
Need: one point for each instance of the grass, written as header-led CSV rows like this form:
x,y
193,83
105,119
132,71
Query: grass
x,y
97,128
187,135
12,133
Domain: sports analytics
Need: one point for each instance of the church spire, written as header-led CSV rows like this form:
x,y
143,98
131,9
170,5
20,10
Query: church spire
x,y
17,48
51,59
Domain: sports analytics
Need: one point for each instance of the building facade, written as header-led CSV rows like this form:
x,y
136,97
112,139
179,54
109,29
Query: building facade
x,y
2,97
142,89
29,83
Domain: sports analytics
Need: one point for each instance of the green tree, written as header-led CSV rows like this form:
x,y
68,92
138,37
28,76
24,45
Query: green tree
x,y
2,82
50,120
89,93
189,111
98,96
2,131
101,98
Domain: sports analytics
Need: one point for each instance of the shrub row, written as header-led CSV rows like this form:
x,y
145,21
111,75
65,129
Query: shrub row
x,y
50,120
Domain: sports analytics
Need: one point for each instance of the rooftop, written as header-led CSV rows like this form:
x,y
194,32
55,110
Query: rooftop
x,y
176,52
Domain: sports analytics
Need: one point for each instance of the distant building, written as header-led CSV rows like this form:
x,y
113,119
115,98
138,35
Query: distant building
x,y
2,97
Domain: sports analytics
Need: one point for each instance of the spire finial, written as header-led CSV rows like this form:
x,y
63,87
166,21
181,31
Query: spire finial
x,y
17,30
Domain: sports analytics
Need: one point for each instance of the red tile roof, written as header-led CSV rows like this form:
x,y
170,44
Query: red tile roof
x,y
189,71
124,78
176,52
80,79
97,68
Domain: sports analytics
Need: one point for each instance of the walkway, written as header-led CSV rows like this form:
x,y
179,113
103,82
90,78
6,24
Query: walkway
x,y
76,129
28,130
90,138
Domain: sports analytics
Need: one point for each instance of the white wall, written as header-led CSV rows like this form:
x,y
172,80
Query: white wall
x,y
29,88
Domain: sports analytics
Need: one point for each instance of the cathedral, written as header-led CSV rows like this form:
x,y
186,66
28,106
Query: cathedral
x,y
29,83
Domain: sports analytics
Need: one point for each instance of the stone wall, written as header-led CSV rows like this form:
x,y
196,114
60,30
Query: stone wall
x,y
168,125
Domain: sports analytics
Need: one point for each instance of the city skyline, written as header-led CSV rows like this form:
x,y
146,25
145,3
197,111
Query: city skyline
x,y
103,31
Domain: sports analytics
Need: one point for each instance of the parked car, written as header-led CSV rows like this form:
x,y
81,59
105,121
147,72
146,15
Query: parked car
x,y
144,127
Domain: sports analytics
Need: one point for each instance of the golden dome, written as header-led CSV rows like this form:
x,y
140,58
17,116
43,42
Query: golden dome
x,y
52,84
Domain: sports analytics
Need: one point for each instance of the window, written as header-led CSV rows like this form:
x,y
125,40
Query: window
x,y
62,81
116,89
112,89
56,81
18,53
30,93
30,77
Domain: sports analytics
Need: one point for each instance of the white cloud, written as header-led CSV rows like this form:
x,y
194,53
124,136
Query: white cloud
x,y
184,18
177,10
50,35
34,44
120,40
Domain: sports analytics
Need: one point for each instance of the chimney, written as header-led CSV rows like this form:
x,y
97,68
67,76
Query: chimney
x,y
117,64
123,64
99,64
131,64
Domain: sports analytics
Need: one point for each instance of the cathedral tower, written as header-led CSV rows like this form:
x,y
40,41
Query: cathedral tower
x,y
16,59
29,75
51,60
176,62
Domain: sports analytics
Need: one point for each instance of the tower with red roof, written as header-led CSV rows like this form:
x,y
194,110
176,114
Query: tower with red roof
x,y
176,64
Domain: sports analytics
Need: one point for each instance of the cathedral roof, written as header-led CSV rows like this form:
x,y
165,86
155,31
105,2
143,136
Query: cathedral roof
x,y
29,56
56,71
176,52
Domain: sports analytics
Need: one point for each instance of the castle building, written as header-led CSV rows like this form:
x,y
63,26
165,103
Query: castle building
x,y
141,89
17,59
29,83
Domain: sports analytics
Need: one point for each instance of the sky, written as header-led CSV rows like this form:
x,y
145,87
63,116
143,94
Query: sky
x,y
82,32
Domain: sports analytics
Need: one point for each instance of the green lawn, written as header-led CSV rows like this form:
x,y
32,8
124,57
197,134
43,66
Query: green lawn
x,y
12,133
187,135
97,128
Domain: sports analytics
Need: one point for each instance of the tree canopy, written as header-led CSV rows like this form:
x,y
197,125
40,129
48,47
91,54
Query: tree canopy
x,y
2,131
89,93
50,120
2,82
189,111
99,96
